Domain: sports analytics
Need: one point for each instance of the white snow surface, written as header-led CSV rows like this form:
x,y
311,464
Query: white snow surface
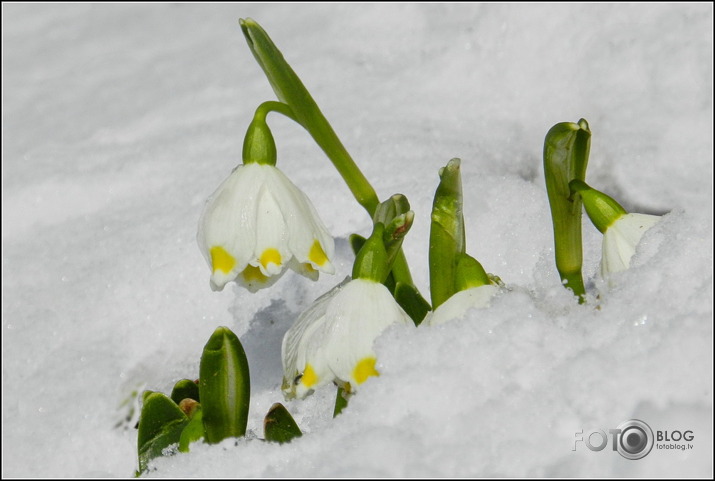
x,y
119,120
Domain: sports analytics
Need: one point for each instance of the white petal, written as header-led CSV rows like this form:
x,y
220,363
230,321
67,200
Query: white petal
x,y
358,315
302,343
259,218
271,250
457,306
621,240
304,224
336,333
228,214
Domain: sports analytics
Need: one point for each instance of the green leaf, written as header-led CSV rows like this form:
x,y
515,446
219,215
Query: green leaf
x,y
356,242
160,426
193,431
469,273
279,426
224,386
446,233
186,388
409,298
566,150
341,401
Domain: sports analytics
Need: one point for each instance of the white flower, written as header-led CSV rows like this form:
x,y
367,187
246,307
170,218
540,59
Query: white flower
x,y
257,223
457,306
332,340
621,238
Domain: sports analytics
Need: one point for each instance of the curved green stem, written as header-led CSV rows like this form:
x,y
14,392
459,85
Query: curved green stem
x,y
291,91
272,106
297,103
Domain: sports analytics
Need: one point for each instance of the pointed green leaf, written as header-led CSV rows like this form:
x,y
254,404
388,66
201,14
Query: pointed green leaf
x,y
341,401
469,273
279,426
224,386
446,233
412,302
356,242
160,426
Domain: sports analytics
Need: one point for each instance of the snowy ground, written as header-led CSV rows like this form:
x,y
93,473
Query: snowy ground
x,y
119,120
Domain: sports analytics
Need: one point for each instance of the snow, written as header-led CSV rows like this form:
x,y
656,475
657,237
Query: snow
x,y
119,121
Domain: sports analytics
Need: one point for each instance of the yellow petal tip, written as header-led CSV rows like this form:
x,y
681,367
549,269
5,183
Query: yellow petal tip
x,y
309,377
270,256
364,369
317,254
221,260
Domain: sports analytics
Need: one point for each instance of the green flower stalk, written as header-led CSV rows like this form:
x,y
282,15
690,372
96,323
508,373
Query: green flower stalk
x,y
224,386
302,108
290,90
566,150
601,209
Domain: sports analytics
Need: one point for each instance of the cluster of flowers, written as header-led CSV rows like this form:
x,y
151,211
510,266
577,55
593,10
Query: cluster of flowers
x,y
258,224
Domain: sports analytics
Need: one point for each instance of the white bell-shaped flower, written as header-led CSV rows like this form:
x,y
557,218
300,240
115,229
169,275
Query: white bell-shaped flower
x,y
256,224
459,303
332,341
620,240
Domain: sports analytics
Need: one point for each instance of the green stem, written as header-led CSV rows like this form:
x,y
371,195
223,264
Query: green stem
x,y
272,106
602,209
566,150
291,92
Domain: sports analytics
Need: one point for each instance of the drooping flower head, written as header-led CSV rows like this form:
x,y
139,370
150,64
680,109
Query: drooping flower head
x,y
332,341
622,232
621,239
258,222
